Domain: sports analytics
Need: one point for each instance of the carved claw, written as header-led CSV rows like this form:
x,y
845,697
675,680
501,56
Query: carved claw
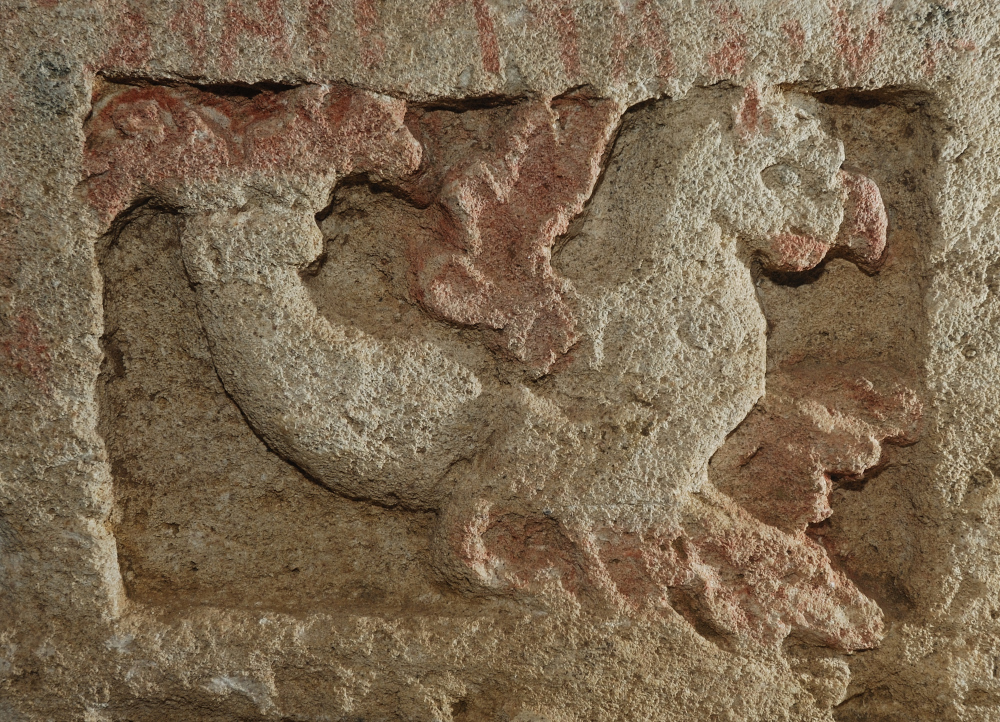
x,y
731,576
814,425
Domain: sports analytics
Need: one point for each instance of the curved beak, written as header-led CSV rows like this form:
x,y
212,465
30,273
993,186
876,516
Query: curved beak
x,y
862,235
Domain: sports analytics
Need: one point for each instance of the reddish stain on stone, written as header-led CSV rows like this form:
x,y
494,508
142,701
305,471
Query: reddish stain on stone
x,y
751,580
267,23
793,253
190,22
930,56
500,200
861,239
489,46
133,46
863,233
318,31
795,34
561,15
731,57
23,348
728,573
750,118
740,564
528,550
149,140
641,27
857,47
365,22
10,217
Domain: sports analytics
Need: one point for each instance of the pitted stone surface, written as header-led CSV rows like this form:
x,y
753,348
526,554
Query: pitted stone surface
x,y
477,360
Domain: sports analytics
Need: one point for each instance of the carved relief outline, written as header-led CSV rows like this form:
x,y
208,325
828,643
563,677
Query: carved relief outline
x,y
790,254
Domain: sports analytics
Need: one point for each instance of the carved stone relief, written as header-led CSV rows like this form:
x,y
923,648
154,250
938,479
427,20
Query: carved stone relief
x,y
521,331
489,360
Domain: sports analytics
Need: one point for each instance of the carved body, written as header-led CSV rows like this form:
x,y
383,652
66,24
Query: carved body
x,y
595,477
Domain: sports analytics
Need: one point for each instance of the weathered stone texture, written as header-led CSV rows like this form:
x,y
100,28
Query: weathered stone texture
x,y
488,360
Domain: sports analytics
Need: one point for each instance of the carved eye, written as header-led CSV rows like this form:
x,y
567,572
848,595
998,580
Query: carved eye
x,y
777,177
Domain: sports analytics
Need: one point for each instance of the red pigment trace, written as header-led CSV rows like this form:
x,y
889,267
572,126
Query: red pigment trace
x,y
533,549
10,216
268,23
134,46
561,15
489,46
23,348
365,22
814,425
144,141
750,118
500,206
861,239
863,233
796,35
731,57
646,30
857,54
723,570
318,28
190,22
741,565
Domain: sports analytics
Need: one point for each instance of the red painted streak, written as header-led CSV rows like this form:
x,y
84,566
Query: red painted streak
x,y
931,51
487,37
145,141
489,45
10,216
561,15
651,34
731,56
796,35
366,21
750,118
190,21
318,32
134,46
857,54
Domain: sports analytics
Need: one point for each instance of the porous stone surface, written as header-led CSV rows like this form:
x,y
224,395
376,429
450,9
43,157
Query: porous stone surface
x,y
485,360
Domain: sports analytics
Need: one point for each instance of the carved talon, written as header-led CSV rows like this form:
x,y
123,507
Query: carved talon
x,y
722,568
813,424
